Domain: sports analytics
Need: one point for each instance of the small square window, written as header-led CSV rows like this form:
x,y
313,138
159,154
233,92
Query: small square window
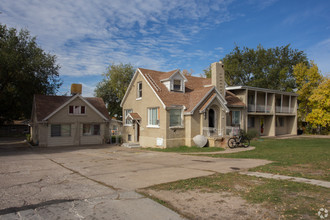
x,y
129,137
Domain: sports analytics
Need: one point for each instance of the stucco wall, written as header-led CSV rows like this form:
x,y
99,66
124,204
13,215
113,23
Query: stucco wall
x,y
148,135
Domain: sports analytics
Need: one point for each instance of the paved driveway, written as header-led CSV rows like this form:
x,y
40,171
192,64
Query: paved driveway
x,y
95,181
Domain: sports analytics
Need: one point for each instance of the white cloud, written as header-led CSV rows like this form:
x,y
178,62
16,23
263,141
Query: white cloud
x,y
87,35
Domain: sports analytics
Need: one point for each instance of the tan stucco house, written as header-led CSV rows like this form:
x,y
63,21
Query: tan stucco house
x,y
69,120
167,109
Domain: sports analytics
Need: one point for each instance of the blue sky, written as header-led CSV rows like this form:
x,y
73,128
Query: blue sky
x,y
86,36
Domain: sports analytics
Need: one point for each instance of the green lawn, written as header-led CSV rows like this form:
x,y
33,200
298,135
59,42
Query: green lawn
x,y
308,157
288,199
185,149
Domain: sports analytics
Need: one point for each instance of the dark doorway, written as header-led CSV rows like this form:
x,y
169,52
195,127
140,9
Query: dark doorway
x,y
137,132
211,118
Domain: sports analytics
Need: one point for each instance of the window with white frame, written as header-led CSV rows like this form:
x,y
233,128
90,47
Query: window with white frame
x,y
60,130
175,117
236,117
139,90
177,85
128,121
77,110
91,129
153,117
251,122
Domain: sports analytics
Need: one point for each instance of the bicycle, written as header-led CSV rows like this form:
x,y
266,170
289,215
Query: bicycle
x,y
241,140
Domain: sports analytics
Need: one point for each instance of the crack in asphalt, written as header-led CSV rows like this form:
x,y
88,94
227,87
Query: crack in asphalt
x,y
82,175
33,206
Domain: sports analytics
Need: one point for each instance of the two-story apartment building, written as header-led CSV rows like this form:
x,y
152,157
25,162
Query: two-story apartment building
x,y
269,112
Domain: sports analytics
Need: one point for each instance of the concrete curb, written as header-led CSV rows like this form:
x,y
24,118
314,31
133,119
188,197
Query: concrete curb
x,y
226,151
322,183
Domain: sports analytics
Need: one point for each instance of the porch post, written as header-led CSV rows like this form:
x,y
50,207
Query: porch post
x,y
290,104
266,102
281,102
255,101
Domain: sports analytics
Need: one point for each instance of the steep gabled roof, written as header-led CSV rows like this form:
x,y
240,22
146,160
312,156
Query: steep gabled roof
x,y
197,90
46,105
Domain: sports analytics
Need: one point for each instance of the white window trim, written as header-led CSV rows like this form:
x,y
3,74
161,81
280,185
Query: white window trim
x,y
127,125
182,122
149,125
79,111
138,91
181,85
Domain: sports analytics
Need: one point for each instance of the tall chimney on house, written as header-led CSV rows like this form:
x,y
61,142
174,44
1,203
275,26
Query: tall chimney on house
x,y
76,89
218,77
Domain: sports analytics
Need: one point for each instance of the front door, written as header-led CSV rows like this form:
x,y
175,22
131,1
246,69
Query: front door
x,y
262,125
137,132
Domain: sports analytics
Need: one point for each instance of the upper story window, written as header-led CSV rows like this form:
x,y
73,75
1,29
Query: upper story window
x,y
77,110
175,117
177,85
127,120
139,90
153,117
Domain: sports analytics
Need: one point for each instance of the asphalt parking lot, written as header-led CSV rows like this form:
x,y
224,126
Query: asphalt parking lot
x,y
95,182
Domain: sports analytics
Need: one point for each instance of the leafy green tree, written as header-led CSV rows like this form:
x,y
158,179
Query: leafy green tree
x,y
307,80
113,86
266,68
206,72
25,70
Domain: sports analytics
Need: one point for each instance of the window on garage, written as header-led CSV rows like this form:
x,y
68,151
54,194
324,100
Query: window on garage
x,y
60,130
91,129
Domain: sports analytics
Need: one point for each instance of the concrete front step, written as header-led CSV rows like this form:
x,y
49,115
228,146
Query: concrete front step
x,y
131,145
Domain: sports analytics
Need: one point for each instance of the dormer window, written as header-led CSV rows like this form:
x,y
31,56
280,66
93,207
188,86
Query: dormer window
x,y
177,85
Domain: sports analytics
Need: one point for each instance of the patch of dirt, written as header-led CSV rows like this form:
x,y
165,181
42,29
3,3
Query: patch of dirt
x,y
196,204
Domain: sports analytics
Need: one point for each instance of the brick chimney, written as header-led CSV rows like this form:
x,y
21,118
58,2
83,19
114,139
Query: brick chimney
x,y
218,76
76,89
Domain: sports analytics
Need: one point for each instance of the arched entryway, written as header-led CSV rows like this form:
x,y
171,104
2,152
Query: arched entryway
x,y
211,118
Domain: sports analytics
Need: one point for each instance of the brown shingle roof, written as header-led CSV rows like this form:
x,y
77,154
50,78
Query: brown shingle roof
x,y
233,100
135,116
194,89
45,105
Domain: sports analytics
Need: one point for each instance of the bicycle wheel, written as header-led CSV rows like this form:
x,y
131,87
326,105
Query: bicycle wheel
x,y
245,142
232,142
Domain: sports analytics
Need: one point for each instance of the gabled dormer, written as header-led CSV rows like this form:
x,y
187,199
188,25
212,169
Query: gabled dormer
x,y
175,81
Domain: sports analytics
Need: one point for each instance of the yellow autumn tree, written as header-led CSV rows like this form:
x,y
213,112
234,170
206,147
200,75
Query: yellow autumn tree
x,y
319,102
308,79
